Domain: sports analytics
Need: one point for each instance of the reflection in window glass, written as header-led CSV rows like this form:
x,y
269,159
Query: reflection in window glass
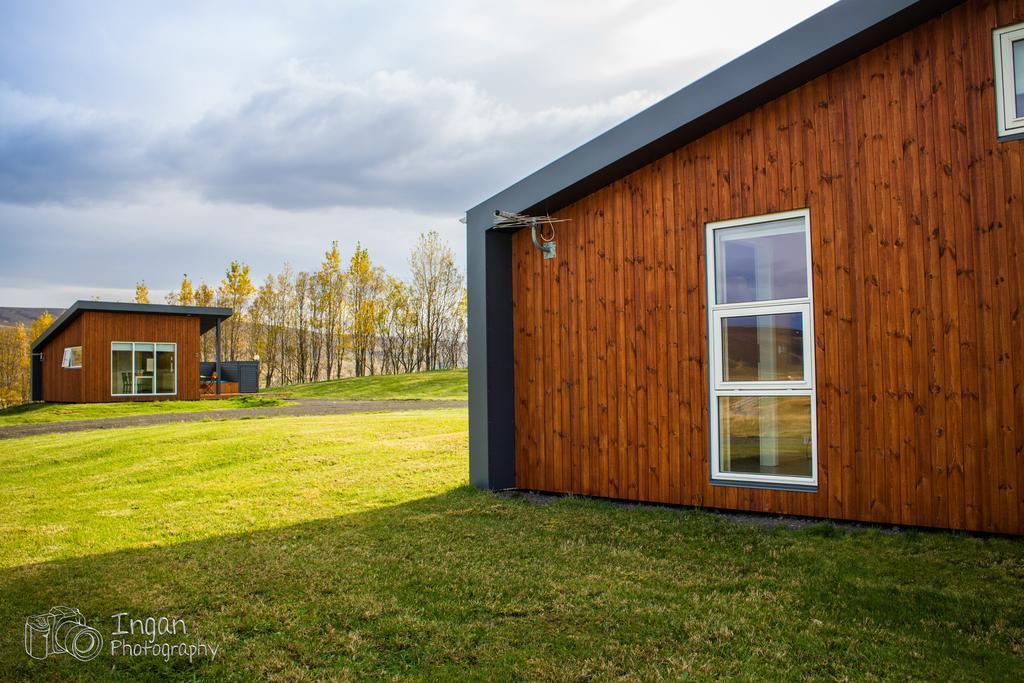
x,y
72,357
1018,76
165,368
121,369
769,263
766,435
763,348
145,368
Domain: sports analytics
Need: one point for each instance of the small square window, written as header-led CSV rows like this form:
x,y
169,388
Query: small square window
x,y
72,357
1008,43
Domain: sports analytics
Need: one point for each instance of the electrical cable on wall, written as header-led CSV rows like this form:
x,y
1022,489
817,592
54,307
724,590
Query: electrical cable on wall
x,y
542,228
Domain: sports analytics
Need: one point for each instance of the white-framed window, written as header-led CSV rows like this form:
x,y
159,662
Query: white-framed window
x,y
72,358
1009,78
143,369
761,331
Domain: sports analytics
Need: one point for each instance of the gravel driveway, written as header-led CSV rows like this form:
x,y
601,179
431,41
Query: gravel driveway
x,y
296,407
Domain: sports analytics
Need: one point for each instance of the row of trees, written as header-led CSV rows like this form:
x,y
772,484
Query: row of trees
x,y
341,319
336,321
15,360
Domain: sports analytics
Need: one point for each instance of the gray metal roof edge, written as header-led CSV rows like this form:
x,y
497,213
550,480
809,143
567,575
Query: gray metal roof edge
x,y
822,42
122,307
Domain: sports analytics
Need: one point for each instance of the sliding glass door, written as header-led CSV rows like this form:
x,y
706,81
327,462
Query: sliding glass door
x,y
143,369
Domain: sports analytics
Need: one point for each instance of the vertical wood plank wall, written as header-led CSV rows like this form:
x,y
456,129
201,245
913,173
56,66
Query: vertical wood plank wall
x,y
62,384
95,330
917,228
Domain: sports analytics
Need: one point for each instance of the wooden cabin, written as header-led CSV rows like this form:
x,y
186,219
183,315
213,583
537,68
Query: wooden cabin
x,y
794,287
99,351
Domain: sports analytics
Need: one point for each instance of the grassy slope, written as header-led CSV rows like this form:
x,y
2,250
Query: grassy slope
x,y
438,384
31,413
349,546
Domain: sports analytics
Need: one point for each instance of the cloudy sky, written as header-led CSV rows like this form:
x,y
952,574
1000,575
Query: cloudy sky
x,y
142,140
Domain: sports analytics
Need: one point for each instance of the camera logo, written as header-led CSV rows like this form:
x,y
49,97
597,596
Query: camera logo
x,y
62,630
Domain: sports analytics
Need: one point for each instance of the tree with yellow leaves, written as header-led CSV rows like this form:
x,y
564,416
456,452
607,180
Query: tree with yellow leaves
x,y
13,365
39,326
141,293
365,282
235,291
204,295
16,359
185,296
330,288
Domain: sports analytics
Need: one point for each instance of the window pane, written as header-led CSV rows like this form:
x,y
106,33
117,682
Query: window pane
x,y
165,368
1018,76
763,348
121,369
765,435
762,262
76,356
145,368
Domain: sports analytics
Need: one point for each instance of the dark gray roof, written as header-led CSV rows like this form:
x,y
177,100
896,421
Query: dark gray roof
x,y
208,315
826,40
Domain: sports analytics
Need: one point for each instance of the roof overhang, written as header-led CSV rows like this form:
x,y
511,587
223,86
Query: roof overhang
x,y
208,315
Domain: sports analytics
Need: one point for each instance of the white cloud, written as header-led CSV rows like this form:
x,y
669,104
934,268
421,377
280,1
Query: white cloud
x,y
303,140
395,139
141,140
56,151
104,248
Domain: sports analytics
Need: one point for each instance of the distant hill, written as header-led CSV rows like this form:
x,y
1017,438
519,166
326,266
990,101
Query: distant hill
x,y
12,315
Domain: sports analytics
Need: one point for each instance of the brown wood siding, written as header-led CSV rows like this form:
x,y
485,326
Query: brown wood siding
x,y
62,385
94,331
917,229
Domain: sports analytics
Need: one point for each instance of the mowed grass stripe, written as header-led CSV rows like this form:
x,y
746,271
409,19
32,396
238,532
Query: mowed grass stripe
x,y
37,413
435,384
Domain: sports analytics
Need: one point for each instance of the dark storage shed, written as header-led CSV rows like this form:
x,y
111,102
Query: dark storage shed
x,y
244,373
795,286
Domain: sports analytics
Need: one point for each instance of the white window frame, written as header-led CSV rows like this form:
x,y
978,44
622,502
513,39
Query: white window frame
x,y
69,357
110,368
720,388
1008,121
751,310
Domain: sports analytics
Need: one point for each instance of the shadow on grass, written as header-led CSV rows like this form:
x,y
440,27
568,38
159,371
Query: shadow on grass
x,y
22,409
471,584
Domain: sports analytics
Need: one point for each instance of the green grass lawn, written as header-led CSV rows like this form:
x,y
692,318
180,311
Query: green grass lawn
x,y
32,413
349,546
438,384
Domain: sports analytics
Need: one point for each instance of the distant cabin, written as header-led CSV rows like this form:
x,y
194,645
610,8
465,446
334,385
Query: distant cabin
x,y
795,286
99,351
